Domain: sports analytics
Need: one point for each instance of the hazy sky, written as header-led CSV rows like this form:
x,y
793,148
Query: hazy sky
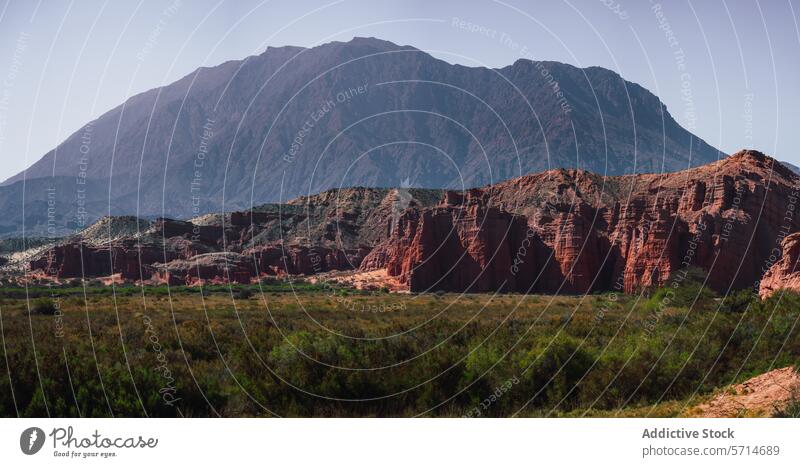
x,y
727,70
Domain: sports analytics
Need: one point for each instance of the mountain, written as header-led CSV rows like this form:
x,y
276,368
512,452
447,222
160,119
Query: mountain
x,y
792,167
559,231
295,121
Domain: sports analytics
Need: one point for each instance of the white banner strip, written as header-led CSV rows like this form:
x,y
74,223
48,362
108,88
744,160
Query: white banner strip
x,y
400,442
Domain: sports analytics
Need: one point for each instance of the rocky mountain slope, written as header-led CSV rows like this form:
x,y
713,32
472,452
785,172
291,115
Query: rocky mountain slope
x,y
294,121
333,230
558,231
571,231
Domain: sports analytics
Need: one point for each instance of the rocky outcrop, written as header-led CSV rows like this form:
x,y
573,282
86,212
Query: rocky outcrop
x,y
298,259
210,267
585,233
184,262
462,246
243,268
784,274
74,260
560,231
332,230
761,396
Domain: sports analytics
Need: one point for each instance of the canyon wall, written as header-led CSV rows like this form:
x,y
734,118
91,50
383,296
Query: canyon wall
x,y
570,231
560,231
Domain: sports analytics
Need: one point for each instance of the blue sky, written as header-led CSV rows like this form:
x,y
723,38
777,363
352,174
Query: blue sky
x,y
727,70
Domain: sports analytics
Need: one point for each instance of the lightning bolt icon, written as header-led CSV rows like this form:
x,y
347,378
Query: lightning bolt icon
x,y
34,434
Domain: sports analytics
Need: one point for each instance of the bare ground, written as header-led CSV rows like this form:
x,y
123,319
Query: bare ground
x,y
760,396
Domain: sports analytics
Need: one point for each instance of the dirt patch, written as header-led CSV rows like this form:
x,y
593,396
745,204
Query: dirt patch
x,y
366,280
761,396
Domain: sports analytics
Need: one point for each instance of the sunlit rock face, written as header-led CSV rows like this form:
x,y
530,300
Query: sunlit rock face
x,y
571,231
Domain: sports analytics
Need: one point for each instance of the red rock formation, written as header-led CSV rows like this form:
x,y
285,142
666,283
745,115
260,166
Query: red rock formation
x,y
322,232
242,268
561,231
210,267
131,261
80,260
295,259
468,247
785,273
590,232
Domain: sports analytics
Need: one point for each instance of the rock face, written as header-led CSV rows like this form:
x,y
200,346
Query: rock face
x,y
463,244
333,230
297,259
784,274
243,268
570,231
72,260
560,231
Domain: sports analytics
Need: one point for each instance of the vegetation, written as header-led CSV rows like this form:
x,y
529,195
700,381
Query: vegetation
x,y
261,351
92,288
44,306
11,245
792,410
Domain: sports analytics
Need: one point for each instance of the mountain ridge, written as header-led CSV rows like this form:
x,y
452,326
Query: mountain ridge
x,y
436,135
559,231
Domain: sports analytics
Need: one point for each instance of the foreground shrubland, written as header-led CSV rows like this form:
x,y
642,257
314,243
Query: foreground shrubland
x,y
312,351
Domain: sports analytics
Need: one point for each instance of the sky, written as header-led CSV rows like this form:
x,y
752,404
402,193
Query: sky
x,y
727,70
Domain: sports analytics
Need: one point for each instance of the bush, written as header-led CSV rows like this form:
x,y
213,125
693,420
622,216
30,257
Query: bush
x,y
552,370
242,293
737,302
791,410
683,289
44,306
270,281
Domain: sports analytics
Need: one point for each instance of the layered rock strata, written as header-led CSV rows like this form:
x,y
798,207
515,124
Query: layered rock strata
x,y
570,231
560,231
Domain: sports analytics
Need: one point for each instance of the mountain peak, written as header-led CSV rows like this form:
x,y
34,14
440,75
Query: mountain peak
x,y
750,156
278,112
374,41
366,43
356,41
752,159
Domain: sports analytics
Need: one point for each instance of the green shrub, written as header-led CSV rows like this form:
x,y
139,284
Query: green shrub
x,y
791,410
684,289
737,302
44,306
242,293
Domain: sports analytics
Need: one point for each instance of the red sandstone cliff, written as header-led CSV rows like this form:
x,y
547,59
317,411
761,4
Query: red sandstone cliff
x,y
560,231
586,232
784,273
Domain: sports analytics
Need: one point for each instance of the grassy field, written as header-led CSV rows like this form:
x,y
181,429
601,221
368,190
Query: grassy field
x,y
307,350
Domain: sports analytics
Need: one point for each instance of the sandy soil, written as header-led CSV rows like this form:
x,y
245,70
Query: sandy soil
x,y
368,280
759,396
